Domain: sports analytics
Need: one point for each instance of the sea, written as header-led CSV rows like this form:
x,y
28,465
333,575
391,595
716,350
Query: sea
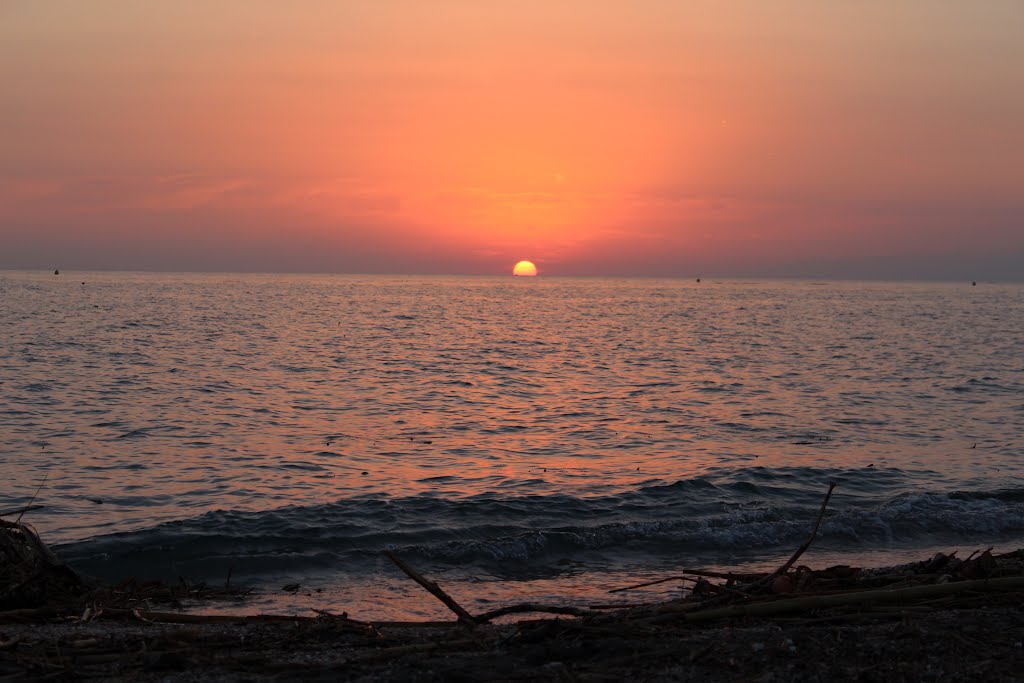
x,y
540,439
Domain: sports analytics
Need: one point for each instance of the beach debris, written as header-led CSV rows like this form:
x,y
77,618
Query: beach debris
x,y
782,584
721,629
855,598
30,574
770,579
433,589
791,594
980,567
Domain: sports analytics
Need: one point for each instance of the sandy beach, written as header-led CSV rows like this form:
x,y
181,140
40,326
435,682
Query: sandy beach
x,y
943,618
979,641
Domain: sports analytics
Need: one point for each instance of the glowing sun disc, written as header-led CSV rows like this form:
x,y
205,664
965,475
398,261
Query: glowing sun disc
x,y
525,269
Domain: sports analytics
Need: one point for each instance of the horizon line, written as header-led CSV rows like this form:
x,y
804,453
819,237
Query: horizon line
x,y
540,275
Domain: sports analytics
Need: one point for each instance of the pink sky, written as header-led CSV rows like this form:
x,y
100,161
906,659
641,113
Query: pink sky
x,y
652,137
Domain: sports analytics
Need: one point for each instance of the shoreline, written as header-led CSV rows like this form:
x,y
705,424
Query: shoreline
x,y
943,618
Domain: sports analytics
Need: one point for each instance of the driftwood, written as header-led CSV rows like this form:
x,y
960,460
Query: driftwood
x,y
530,608
30,574
35,586
468,619
433,589
350,625
687,575
767,581
656,582
804,604
753,582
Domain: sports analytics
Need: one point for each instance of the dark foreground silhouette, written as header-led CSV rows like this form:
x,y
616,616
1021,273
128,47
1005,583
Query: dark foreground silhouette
x,y
940,619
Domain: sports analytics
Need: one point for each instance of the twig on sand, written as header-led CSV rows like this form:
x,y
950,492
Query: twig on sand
x,y
435,590
732,576
185,618
528,607
645,584
694,572
686,576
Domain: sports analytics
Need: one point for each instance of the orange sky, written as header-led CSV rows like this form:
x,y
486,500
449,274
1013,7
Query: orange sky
x,y
652,137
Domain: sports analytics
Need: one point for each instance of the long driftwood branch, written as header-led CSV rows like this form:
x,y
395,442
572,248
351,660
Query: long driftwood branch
x,y
433,589
686,575
777,607
528,607
645,584
767,581
184,618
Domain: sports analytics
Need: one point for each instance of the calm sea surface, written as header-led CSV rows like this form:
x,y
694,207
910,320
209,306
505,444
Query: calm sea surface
x,y
538,438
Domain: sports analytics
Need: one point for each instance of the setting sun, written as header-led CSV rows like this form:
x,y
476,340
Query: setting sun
x,y
525,268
